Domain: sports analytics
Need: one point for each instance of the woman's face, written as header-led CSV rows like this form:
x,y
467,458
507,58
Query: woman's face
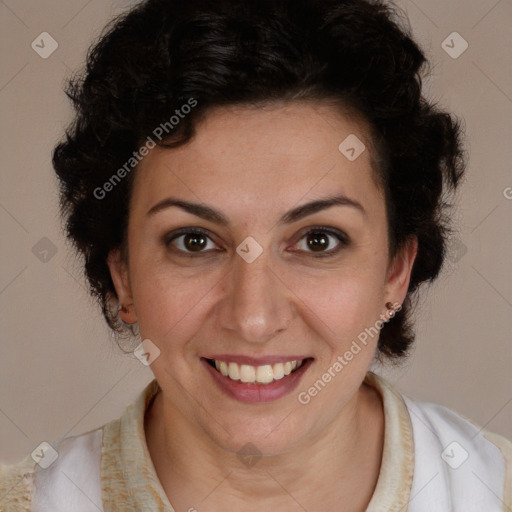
x,y
253,288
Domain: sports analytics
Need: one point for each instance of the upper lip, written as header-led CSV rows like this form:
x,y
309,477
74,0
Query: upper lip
x,y
255,361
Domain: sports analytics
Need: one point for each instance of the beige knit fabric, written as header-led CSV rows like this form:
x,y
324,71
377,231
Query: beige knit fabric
x,y
393,488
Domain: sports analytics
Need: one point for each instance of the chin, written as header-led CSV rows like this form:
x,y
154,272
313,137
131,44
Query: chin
x,y
274,435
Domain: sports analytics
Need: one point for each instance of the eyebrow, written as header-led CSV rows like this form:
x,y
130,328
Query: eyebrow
x,y
217,217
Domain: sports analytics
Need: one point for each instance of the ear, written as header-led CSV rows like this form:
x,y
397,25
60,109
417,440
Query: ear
x,y
120,276
399,272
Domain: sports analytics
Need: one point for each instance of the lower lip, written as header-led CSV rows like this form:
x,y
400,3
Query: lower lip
x,y
257,393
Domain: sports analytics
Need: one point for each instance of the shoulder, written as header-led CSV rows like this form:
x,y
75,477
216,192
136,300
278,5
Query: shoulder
x,y
16,484
59,480
458,465
82,473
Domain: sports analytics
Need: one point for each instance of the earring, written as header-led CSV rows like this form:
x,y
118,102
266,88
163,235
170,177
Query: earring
x,y
391,310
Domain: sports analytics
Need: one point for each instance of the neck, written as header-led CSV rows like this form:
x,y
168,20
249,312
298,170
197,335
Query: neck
x,y
344,457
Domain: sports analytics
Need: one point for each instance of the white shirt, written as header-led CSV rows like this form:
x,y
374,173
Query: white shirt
x,y
433,460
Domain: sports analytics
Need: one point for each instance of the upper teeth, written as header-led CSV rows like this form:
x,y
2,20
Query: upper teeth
x,y
260,374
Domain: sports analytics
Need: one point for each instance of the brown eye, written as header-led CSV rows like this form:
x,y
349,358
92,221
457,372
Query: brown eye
x,y
323,242
317,241
194,242
189,242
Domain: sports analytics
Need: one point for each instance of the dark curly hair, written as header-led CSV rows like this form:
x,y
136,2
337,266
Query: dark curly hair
x,y
163,54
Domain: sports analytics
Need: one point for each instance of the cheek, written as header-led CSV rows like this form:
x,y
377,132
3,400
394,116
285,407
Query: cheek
x,y
348,295
343,305
168,303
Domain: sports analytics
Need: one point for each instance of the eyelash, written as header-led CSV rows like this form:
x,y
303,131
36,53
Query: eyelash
x,y
342,238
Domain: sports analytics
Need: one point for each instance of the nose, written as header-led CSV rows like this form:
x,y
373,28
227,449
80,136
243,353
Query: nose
x,y
257,305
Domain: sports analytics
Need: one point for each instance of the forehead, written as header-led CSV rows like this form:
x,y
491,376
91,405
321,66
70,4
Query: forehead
x,y
262,155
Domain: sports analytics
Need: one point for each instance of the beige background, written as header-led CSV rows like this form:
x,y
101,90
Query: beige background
x,y
61,373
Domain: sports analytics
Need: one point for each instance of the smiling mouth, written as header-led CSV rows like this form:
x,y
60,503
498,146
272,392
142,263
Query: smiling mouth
x,y
264,375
